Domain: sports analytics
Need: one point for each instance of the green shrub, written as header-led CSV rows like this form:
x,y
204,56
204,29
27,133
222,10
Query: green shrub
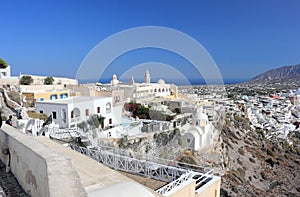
x,y
95,121
145,128
4,118
123,142
270,152
26,80
3,64
48,81
286,156
188,160
260,132
83,126
177,110
180,141
33,114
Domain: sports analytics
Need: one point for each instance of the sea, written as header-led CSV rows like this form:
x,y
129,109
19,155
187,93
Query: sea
x,y
171,81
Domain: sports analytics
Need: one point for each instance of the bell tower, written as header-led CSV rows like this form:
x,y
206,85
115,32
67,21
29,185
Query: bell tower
x,y
147,77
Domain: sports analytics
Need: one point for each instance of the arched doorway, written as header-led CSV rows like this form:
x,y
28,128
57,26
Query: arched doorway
x,y
75,115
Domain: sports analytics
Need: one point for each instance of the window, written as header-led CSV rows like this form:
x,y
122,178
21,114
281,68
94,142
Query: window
x,y
53,97
42,99
110,121
54,114
72,114
86,112
98,110
108,107
188,140
62,96
64,115
117,99
41,111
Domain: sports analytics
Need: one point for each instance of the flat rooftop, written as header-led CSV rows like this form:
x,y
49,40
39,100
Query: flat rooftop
x,y
75,99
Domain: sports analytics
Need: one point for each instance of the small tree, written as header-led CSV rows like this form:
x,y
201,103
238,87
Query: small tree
x,y
3,64
26,80
95,121
177,110
48,81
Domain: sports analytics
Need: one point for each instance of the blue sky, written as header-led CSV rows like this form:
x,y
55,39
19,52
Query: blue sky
x,y
244,38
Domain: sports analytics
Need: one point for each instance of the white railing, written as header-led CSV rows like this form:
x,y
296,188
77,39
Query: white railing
x,y
169,188
176,175
75,119
204,178
123,163
63,133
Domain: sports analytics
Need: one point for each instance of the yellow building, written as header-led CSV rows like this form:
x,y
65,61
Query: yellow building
x,y
45,96
32,93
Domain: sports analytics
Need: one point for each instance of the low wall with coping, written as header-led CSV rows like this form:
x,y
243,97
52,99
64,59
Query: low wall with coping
x,y
40,172
211,188
11,104
10,81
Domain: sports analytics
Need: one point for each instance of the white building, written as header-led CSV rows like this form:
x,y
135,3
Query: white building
x,y
5,72
135,91
200,133
77,109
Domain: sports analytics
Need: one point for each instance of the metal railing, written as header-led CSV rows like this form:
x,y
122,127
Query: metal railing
x,y
63,133
175,175
204,178
123,163
167,189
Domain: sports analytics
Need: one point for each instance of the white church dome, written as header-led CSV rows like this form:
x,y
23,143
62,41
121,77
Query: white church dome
x,y
114,80
199,115
161,81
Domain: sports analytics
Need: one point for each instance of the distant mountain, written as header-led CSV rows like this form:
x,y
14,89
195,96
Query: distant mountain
x,y
285,72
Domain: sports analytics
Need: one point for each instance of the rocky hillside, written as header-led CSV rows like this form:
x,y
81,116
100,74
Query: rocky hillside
x,y
257,167
285,72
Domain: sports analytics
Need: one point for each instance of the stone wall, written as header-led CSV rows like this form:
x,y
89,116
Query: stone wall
x,y
39,171
10,103
39,80
9,81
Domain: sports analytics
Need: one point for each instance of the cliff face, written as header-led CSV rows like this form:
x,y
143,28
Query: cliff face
x,y
285,72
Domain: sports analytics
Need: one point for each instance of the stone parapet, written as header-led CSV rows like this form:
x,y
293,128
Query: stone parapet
x,y
40,171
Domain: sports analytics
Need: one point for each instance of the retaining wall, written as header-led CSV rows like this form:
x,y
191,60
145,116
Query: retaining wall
x,y
40,172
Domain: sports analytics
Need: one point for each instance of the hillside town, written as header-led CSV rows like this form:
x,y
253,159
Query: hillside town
x,y
135,120
154,120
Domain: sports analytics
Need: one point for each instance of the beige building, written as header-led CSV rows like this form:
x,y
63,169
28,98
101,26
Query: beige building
x,y
39,80
135,91
32,93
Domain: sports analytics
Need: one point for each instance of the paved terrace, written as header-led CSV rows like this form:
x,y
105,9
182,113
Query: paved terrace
x,y
9,186
94,176
45,168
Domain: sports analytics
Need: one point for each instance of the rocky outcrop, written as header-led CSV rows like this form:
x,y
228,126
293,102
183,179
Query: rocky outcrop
x,y
257,167
285,72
